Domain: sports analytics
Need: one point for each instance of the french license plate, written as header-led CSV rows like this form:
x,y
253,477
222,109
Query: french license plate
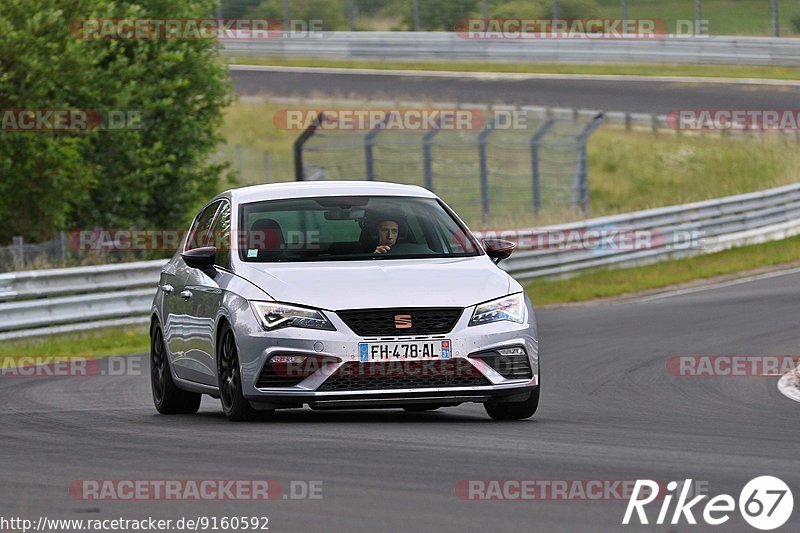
x,y
399,350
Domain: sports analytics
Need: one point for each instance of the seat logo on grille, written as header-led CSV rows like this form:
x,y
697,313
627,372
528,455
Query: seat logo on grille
x,y
402,321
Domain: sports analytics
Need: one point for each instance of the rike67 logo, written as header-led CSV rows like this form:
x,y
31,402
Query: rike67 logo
x,y
765,503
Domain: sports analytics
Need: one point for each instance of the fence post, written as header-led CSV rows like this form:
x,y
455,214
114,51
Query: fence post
x,y
427,141
654,122
62,245
286,16
18,251
369,142
534,144
299,172
351,15
238,149
580,189
267,167
484,167
415,13
774,9
697,17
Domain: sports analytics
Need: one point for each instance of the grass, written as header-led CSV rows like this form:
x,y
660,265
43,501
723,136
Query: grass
x,y
626,69
628,170
94,343
725,17
608,283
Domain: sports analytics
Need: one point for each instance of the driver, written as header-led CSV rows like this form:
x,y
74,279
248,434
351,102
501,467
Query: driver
x,y
388,231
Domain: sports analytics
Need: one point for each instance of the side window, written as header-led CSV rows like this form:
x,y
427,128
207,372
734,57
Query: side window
x,y
221,236
198,235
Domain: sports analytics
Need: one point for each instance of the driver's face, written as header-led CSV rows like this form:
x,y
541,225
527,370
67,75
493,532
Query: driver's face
x,y
387,232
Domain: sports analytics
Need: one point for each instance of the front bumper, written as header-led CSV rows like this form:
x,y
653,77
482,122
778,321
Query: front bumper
x,y
256,346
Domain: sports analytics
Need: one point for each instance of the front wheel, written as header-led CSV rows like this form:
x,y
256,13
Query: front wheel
x,y
513,410
234,404
167,397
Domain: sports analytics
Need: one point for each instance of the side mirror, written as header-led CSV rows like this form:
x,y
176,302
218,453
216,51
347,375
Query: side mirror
x,y
498,249
202,259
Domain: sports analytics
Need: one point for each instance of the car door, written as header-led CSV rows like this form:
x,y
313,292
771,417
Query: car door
x,y
181,329
206,299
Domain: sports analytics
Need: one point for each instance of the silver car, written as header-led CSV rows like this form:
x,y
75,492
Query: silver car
x,y
340,295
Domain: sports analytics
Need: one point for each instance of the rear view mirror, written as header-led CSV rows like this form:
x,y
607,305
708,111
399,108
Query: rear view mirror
x,y
345,213
202,259
498,249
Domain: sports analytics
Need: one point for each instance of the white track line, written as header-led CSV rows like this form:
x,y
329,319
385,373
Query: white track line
x,y
691,290
514,75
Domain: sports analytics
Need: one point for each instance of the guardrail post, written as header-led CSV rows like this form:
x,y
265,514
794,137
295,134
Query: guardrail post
x,y
580,188
654,122
483,137
299,173
534,144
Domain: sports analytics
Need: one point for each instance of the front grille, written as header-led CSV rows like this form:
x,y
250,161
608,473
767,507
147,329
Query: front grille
x,y
355,376
509,366
382,322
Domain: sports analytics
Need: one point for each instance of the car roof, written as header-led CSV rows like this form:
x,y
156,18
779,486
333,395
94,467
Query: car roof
x,y
306,189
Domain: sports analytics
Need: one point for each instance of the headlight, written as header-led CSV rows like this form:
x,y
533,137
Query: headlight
x,y
274,316
506,308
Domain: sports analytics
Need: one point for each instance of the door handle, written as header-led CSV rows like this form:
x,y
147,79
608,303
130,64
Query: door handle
x,y
186,295
167,288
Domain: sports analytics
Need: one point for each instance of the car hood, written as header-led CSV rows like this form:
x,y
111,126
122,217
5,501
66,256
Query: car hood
x,y
337,285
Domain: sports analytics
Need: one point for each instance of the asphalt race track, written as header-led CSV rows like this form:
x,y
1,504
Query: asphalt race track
x,y
653,96
610,411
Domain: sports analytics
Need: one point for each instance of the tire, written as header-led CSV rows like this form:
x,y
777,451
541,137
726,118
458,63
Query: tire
x,y
234,404
420,408
167,397
513,410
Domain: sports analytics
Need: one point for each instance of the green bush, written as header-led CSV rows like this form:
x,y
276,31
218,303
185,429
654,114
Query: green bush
x,y
150,177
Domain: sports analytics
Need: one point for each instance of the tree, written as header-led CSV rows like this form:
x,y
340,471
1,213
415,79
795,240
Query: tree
x,y
153,176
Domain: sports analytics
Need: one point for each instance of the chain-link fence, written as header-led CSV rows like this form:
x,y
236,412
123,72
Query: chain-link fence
x,y
754,17
495,176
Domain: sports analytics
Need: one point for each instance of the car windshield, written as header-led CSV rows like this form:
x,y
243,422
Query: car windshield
x,y
351,228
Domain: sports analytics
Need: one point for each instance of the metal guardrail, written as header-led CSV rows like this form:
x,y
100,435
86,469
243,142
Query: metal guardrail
x,y
450,46
50,301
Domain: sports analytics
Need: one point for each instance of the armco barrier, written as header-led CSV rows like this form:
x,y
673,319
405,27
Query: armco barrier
x,y
450,46
49,301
